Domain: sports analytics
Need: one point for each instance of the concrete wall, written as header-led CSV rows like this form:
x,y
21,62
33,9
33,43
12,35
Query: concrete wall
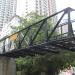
x,y
7,66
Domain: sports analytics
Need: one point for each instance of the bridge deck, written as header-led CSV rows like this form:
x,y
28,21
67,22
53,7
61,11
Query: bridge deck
x,y
53,46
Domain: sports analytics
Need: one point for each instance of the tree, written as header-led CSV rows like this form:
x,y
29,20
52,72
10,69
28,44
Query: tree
x,y
29,19
50,64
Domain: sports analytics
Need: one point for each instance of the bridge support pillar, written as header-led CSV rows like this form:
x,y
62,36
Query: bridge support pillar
x,y
7,66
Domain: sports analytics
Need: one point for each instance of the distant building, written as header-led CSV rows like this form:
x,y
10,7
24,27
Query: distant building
x,y
42,7
7,10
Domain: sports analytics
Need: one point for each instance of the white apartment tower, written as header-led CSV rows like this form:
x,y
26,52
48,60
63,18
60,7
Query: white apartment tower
x,y
42,7
7,10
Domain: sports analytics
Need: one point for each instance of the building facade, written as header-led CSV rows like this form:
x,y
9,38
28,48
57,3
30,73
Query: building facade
x,y
42,7
7,10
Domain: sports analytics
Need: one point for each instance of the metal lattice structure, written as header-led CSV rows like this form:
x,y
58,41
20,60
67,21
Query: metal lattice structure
x,y
41,37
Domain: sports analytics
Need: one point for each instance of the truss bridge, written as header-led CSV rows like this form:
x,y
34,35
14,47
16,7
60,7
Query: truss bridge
x,y
51,34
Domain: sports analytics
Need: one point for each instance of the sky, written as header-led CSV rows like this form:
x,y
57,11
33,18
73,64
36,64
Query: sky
x,y
60,4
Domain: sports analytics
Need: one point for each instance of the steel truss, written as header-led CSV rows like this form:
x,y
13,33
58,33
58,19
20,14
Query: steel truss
x,y
26,40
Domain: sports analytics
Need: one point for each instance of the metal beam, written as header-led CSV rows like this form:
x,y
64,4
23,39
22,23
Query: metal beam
x,y
40,21
70,29
37,31
56,26
23,37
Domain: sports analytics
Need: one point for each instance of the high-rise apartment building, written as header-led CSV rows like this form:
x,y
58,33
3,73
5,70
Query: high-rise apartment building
x,y
42,7
45,7
7,10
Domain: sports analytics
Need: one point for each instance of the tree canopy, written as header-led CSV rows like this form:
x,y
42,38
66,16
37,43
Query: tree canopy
x,y
50,64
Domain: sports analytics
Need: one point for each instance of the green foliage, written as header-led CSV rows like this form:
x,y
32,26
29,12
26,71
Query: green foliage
x,y
31,19
51,64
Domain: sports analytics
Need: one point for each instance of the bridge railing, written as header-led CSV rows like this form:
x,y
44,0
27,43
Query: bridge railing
x,y
43,31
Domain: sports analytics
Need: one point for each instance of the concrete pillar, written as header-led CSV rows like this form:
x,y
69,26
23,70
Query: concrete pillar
x,y
7,66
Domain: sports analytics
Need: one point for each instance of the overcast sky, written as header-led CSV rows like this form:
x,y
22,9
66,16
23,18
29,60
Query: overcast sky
x,y
61,4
